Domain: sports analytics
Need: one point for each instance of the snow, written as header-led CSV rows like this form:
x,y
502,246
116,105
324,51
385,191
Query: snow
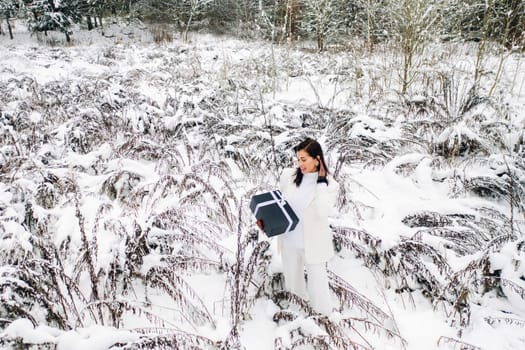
x,y
23,329
383,195
259,332
95,337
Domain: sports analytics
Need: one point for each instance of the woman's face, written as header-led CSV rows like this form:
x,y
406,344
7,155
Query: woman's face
x,y
306,162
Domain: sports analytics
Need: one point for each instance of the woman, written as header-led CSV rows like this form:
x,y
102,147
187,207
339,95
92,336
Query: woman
x,y
311,192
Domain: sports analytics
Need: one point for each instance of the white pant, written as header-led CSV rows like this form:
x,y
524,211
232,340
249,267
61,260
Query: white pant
x,y
318,290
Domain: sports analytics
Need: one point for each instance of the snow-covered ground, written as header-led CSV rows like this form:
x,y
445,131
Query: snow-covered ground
x,y
135,161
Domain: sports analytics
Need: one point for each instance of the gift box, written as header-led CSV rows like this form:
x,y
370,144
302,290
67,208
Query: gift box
x,y
276,214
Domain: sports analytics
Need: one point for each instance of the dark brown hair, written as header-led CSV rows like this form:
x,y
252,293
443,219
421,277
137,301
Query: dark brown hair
x,y
313,148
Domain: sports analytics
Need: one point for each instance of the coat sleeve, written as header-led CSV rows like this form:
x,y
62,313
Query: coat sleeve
x,y
326,196
286,179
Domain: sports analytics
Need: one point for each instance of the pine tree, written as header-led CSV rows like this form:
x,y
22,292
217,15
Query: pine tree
x,y
58,15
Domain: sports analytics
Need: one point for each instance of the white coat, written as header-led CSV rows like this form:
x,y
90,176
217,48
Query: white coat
x,y
318,245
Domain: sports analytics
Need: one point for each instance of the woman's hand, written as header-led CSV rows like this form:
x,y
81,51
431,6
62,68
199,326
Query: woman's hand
x,y
321,176
322,170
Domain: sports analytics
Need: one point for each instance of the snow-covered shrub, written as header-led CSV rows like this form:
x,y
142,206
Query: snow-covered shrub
x,y
426,219
507,266
362,139
457,121
418,262
84,135
119,185
46,195
141,148
519,146
458,140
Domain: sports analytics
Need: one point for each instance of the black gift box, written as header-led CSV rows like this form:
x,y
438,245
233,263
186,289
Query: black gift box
x,y
276,214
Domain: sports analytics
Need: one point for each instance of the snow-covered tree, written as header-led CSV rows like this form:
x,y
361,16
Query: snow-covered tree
x,y
91,10
321,19
179,12
242,14
413,23
8,9
54,15
369,20
499,20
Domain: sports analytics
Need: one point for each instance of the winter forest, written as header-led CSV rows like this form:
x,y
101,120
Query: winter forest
x,y
133,134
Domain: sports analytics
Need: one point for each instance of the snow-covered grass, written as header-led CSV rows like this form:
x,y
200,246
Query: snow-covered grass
x,y
127,166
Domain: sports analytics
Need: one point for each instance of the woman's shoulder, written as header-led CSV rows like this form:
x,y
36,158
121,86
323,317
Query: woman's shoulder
x,y
287,175
331,184
288,172
333,180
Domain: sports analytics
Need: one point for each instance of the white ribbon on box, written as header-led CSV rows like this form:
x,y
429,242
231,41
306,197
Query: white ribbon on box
x,y
280,202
